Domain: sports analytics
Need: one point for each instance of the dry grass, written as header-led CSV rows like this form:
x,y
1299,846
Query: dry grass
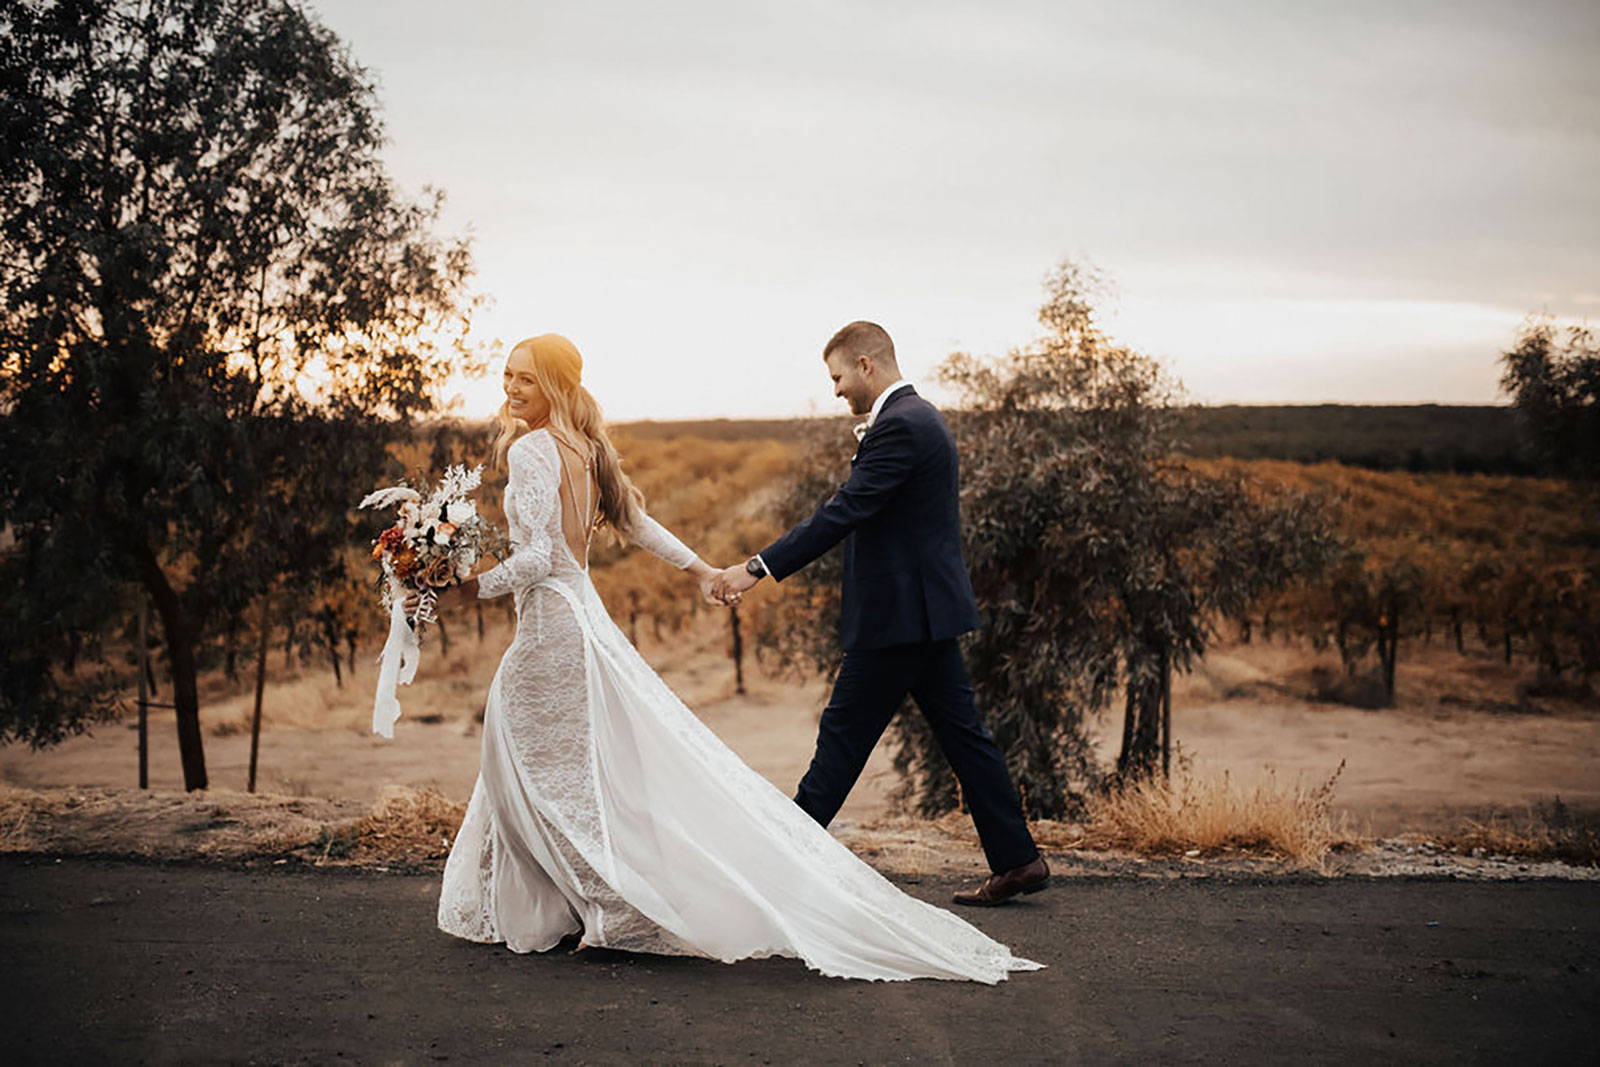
x,y
405,828
1206,816
17,814
1542,832
158,823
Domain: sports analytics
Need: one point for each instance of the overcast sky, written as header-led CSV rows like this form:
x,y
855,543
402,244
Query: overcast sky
x,y
1301,202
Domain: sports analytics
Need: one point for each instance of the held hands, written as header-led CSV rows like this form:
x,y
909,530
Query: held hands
x,y
708,577
730,584
723,587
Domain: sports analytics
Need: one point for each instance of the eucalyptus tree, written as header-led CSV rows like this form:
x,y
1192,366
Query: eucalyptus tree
x,y
217,308
1555,389
1100,561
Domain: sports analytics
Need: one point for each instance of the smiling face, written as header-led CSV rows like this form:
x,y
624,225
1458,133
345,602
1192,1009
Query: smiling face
x,y
524,398
853,379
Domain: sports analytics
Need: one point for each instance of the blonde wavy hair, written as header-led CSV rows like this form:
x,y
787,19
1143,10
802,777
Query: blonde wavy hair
x,y
574,415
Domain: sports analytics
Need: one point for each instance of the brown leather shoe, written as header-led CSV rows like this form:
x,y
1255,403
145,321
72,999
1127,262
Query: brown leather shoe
x,y
999,888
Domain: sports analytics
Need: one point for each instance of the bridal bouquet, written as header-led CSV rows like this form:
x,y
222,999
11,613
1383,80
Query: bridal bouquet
x,y
434,543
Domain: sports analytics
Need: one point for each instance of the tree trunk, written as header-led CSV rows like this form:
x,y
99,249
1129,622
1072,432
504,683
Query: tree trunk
x,y
230,648
180,653
1166,714
1388,651
738,649
330,634
1141,731
1127,731
144,694
261,684
150,672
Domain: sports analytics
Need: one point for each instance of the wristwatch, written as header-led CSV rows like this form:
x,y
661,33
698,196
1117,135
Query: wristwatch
x,y
754,568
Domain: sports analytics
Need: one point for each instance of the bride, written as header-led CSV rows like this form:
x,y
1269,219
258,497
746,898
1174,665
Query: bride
x,y
603,806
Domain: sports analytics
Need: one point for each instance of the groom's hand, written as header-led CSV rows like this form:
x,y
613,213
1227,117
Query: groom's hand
x,y
710,583
732,582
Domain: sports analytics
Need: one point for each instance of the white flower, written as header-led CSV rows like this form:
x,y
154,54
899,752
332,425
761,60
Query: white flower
x,y
469,556
382,498
461,511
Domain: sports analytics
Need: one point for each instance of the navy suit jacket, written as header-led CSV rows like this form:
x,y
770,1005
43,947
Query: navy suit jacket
x,y
899,515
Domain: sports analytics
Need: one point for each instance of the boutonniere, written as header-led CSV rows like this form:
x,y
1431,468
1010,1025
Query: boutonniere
x,y
860,430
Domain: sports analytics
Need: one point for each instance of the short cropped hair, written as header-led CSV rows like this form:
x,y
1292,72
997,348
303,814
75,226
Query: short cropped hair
x,y
862,338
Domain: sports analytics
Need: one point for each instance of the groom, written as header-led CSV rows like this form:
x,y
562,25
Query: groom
x,y
906,598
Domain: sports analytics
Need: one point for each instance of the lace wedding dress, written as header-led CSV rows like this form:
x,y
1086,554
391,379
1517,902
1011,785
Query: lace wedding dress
x,y
604,806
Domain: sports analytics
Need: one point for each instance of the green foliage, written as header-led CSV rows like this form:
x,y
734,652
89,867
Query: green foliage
x,y
1096,555
1098,558
1556,392
217,310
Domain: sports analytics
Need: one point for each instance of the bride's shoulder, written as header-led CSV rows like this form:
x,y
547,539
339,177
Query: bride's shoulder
x,y
531,443
532,448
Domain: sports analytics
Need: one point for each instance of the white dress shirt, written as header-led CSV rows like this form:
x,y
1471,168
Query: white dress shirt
x,y
872,416
877,405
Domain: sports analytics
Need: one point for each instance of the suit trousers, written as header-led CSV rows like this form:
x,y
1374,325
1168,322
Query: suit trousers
x,y
871,685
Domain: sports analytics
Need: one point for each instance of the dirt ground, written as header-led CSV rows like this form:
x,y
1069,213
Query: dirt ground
x,y
1454,747
121,962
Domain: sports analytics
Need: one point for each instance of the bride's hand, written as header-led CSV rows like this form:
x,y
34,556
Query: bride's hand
x,y
443,599
455,595
706,576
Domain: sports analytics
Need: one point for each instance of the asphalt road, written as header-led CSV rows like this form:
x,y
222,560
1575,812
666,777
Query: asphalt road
x,y
117,962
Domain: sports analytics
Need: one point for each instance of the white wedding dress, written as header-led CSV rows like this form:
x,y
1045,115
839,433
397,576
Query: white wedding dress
x,y
604,806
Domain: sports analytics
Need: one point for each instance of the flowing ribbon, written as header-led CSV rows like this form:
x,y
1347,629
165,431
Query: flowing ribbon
x,y
397,664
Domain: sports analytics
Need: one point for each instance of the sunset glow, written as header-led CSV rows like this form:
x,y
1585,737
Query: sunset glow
x,y
1320,203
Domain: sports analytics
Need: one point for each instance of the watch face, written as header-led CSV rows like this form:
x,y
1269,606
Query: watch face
x,y
754,567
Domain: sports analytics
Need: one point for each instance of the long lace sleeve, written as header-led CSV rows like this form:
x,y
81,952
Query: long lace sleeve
x,y
532,494
657,540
